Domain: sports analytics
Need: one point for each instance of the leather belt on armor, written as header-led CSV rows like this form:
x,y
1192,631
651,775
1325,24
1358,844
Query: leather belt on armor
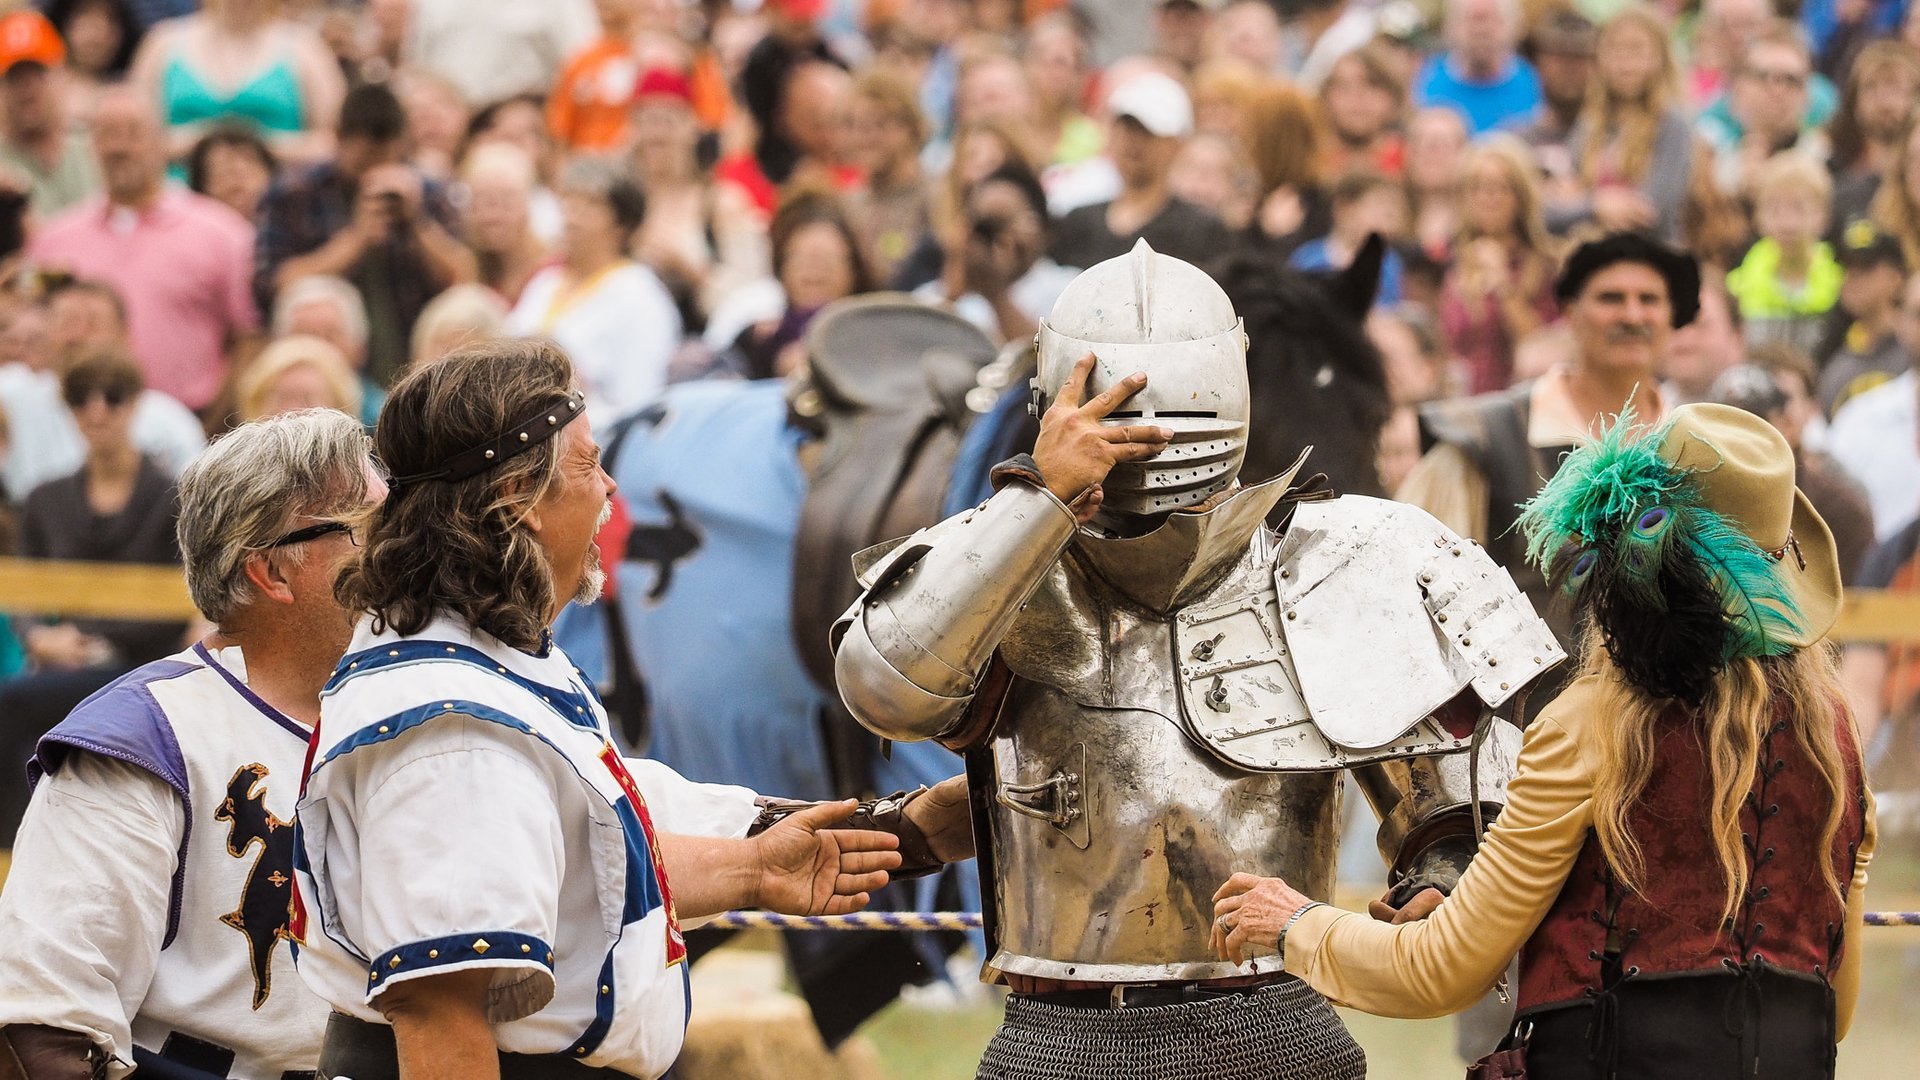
x,y
363,1051
1129,996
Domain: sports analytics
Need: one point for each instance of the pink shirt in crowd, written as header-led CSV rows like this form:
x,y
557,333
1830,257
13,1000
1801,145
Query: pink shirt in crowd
x,y
184,267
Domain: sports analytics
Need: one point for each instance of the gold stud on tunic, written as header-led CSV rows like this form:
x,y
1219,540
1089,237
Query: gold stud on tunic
x,y
481,945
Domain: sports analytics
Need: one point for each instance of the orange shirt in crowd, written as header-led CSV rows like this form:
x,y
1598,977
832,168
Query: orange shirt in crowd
x,y
587,109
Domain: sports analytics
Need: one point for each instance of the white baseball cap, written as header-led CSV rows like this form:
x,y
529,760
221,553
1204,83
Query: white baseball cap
x,y
1157,101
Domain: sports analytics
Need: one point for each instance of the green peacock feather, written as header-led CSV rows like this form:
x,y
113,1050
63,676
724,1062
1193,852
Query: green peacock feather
x,y
1600,487
1678,589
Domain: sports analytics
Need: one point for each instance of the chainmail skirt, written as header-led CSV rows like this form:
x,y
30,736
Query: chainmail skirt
x,y
1283,1032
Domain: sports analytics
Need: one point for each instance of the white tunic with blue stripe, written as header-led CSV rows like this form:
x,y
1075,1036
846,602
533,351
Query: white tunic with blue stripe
x,y
465,809
149,893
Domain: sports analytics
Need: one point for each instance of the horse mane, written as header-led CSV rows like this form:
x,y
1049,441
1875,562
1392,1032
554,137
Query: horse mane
x,y
1314,376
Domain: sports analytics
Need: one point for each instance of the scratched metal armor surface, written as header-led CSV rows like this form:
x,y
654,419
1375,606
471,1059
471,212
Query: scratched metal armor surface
x,y
1111,827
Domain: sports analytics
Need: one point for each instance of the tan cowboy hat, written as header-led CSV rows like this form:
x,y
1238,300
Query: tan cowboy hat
x,y
1743,470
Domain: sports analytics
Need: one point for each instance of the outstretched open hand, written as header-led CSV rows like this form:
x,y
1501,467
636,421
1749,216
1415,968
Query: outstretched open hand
x,y
807,868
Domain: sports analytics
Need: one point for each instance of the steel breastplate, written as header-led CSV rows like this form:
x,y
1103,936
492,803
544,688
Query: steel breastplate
x,y
1110,826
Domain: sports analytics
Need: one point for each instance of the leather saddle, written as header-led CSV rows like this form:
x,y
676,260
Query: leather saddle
x,y
886,393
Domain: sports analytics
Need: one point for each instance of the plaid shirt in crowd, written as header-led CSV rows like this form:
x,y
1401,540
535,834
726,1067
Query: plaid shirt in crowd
x,y
304,209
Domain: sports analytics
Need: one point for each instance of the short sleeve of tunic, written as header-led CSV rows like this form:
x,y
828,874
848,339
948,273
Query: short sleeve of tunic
x,y
459,859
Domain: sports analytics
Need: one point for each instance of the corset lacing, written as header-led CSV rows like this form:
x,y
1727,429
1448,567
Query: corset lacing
x,y
1740,1012
1603,1024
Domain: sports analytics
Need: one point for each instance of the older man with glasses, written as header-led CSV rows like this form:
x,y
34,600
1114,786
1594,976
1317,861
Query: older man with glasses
x,y
144,920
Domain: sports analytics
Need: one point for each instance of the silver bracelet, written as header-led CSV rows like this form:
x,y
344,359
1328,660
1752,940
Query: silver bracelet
x,y
1280,942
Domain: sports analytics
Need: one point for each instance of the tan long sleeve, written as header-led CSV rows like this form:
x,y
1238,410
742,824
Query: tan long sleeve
x,y
1846,976
1446,962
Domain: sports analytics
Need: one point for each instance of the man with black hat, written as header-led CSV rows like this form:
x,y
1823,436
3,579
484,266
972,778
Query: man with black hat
x,y
1864,345
1623,295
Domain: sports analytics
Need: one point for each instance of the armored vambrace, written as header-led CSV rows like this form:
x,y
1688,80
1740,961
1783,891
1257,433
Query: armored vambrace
x,y
1425,805
887,814
909,653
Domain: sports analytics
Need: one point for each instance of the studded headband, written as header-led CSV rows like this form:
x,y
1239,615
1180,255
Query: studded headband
x,y
518,439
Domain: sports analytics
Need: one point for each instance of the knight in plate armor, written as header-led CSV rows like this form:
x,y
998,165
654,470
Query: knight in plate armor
x,y
1155,690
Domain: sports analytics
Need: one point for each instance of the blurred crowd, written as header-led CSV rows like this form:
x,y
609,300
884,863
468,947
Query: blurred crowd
x,y
218,210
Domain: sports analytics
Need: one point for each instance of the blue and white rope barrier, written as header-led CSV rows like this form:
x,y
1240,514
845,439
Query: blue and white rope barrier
x,y
967,920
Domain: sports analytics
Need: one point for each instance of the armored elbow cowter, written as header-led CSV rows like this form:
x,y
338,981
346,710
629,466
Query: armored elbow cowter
x,y
1425,805
910,650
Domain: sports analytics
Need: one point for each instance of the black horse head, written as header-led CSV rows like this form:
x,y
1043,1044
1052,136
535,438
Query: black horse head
x,y
1315,378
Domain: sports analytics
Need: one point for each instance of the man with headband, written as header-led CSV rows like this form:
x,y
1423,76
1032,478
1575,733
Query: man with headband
x,y
483,882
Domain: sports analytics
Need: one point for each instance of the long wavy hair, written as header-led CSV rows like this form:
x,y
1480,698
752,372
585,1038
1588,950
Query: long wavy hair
x,y
1515,161
1894,208
1731,722
462,548
1635,123
1876,59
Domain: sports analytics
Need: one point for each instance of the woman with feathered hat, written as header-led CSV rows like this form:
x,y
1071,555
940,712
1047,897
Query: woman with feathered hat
x,y
1682,856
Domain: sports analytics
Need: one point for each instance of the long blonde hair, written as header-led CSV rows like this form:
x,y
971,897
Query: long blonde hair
x,y
1523,177
1732,723
1636,123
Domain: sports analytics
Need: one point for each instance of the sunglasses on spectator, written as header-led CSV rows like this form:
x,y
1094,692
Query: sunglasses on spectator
x,y
1790,80
313,532
113,395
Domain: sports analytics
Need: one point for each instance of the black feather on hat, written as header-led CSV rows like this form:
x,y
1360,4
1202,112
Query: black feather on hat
x,y
1680,269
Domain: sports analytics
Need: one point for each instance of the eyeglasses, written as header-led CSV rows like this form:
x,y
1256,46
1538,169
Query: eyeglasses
x,y
1786,80
114,396
313,532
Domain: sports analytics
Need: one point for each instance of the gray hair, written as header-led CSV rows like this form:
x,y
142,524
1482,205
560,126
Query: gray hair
x,y
334,290
240,495
474,311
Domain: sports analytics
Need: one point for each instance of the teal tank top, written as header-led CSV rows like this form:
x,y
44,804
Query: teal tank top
x,y
269,102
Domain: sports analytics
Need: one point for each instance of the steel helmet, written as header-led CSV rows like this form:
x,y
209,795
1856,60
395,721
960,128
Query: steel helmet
x,y
1149,312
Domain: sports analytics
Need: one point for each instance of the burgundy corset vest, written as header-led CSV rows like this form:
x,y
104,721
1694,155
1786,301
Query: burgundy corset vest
x,y
1598,933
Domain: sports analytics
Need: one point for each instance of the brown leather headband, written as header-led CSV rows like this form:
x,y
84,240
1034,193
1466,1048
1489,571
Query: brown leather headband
x,y
518,439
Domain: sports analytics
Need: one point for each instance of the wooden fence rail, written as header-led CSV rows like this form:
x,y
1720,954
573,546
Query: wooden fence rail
x,y
124,591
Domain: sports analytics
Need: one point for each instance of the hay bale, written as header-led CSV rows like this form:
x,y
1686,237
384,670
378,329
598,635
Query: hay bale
x,y
768,1037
